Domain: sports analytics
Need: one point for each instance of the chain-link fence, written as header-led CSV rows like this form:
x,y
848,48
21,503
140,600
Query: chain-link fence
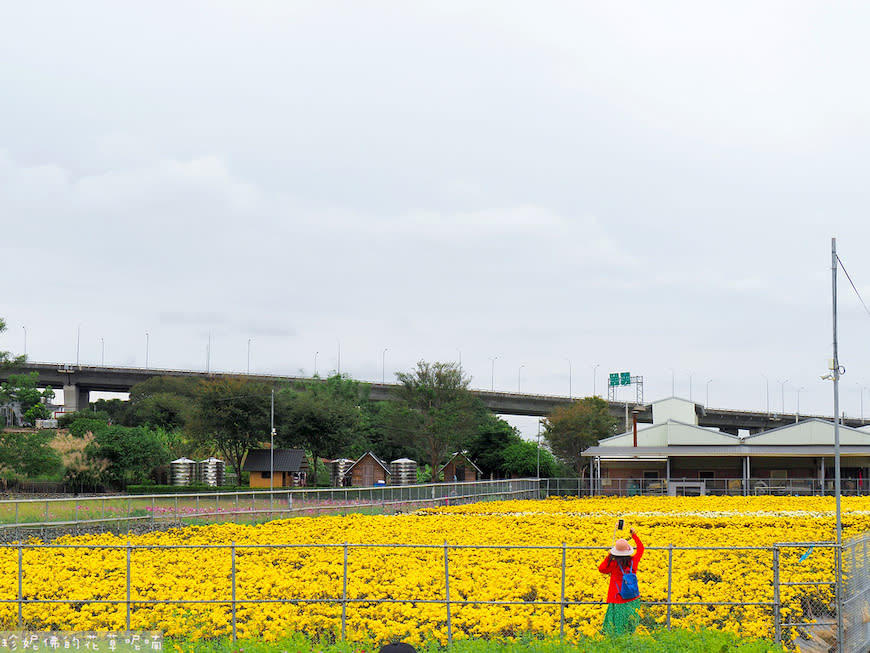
x,y
119,512
781,592
856,594
677,486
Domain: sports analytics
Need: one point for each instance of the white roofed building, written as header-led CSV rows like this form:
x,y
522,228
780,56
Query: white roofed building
x,y
677,456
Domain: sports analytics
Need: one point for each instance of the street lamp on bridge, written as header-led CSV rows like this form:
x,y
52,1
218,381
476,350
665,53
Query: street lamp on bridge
x,y
569,379
594,378
782,394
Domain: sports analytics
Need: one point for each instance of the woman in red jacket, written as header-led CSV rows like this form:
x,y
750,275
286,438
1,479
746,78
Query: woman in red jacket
x,y
621,617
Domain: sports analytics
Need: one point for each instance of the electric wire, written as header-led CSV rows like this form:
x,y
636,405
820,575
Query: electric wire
x,y
846,272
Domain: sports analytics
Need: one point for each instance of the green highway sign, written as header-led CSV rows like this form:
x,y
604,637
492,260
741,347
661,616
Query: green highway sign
x,y
619,378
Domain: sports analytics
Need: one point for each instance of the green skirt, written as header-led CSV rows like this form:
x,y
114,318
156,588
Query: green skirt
x,y
621,618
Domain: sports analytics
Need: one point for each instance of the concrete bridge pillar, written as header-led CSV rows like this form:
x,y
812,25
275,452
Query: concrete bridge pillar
x,y
74,398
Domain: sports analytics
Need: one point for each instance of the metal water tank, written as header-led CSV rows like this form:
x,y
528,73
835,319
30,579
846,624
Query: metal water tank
x,y
403,471
182,471
211,471
338,470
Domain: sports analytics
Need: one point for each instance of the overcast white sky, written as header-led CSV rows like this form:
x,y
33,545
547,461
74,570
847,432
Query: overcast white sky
x,y
649,187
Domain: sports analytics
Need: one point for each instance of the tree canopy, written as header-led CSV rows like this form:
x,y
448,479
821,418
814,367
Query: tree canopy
x,y
163,401
25,453
22,389
132,453
323,417
232,414
446,414
7,360
570,429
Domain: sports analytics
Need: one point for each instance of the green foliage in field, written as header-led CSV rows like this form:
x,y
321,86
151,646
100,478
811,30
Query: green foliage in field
x,y
659,641
28,454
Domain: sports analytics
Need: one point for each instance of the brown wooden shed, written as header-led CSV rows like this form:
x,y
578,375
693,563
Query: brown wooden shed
x,y
460,468
369,470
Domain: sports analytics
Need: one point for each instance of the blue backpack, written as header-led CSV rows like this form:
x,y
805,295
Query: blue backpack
x,y
629,589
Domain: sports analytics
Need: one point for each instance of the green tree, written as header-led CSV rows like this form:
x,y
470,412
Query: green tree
x,y
324,417
22,389
29,454
116,410
570,429
7,360
386,426
446,414
521,458
132,453
231,415
164,401
487,447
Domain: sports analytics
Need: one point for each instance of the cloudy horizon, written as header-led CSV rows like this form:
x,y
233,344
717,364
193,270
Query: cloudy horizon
x,y
643,188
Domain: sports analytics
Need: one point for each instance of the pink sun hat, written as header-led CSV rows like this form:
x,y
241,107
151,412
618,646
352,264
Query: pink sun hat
x,y
622,548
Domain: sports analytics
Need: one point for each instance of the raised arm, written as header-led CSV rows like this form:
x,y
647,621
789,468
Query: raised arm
x,y
639,552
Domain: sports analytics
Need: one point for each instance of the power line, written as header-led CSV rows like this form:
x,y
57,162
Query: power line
x,y
861,299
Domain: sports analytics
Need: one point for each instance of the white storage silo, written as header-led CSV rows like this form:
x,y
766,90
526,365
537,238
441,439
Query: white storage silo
x,y
182,471
338,470
211,471
403,471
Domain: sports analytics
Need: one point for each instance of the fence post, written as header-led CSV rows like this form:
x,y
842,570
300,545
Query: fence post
x,y
128,584
670,577
447,596
777,627
46,511
838,570
344,597
233,590
562,599
176,507
20,585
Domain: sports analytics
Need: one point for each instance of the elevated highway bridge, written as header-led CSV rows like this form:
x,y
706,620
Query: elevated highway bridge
x,y
78,381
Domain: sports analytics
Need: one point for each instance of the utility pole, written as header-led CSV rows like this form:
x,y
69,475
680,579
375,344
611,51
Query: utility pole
x,y
272,453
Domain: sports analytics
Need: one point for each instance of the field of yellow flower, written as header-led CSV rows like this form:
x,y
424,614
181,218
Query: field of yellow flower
x,y
186,590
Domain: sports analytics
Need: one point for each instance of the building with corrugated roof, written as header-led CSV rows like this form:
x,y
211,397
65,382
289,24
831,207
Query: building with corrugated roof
x,y
289,467
677,456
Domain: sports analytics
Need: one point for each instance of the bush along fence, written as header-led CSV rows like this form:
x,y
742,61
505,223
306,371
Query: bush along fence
x,y
351,591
